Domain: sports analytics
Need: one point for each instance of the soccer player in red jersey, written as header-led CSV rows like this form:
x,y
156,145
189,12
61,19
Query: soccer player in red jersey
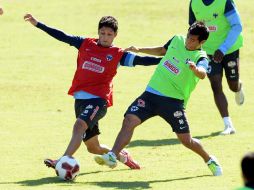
x,y
92,88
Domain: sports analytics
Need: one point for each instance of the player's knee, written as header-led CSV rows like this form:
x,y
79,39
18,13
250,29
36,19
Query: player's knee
x,y
79,127
187,142
130,122
234,87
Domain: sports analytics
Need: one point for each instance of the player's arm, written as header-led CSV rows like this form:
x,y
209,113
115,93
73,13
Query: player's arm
x,y
199,69
130,59
159,51
75,41
192,17
234,20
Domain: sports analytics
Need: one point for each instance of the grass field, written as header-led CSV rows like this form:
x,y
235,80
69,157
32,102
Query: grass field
x,y
36,114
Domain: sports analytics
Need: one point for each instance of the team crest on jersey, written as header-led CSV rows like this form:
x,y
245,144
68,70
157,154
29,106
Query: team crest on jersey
x,y
109,57
171,67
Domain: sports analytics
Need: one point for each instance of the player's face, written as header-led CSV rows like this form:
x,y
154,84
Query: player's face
x,y
192,42
106,36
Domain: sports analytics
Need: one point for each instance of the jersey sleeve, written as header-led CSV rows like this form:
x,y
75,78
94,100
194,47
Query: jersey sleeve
x,y
234,20
203,62
75,41
130,59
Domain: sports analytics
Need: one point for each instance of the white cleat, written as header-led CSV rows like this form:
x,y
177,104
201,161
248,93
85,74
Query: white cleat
x,y
108,159
228,130
214,166
239,96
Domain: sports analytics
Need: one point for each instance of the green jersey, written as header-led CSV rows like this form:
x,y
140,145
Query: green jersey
x,y
219,27
173,77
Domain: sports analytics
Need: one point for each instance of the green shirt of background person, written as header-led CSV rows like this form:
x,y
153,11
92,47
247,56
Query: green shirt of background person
x,y
218,27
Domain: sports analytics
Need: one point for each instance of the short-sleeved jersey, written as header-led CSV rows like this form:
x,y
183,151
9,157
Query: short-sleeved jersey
x,y
96,67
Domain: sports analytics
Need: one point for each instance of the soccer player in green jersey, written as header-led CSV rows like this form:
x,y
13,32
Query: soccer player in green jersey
x,y
222,47
167,93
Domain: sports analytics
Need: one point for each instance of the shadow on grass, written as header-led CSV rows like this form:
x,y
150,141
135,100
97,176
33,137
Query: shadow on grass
x,y
136,185
55,180
163,142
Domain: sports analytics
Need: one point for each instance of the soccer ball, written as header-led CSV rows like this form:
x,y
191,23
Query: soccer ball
x,y
67,168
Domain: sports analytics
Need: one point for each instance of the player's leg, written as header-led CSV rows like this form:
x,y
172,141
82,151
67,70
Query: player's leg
x,y
87,112
172,111
138,111
232,75
215,77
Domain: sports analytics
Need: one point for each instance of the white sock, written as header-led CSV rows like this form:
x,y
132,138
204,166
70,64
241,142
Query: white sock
x,y
227,121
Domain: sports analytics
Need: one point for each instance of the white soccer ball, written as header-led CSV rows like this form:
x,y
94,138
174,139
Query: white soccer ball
x,y
67,168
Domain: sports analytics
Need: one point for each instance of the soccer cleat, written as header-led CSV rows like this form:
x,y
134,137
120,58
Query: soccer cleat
x,y
128,161
228,130
239,96
50,163
214,166
108,159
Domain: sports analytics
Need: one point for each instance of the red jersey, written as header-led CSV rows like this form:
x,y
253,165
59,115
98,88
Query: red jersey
x,y
96,67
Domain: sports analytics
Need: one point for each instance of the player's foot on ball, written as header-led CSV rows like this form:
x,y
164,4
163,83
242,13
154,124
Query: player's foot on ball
x,y
50,163
128,161
108,159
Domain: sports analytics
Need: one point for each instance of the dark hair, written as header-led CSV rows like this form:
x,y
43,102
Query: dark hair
x,y
108,21
199,28
248,167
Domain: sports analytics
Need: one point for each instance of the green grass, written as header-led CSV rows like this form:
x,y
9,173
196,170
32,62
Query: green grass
x,y
36,115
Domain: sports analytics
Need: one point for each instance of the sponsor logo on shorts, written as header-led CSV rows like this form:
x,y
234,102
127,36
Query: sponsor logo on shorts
x,y
178,114
134,108
93,67
181,122
89,107
171,67
94,112
141,103
231,64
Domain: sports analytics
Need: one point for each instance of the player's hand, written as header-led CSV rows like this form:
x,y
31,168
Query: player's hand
x,y
31,19
218,56
133,49
1,11
192,65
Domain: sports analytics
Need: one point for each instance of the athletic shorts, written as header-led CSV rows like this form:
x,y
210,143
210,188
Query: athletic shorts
x,y
91,111
170,109
230,63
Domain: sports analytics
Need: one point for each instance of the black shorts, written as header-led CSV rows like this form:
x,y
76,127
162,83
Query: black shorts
x,y
91,111
170,109
230,63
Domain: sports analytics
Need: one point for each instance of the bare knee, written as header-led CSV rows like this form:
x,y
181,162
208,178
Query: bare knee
x,y
130,122
234,86
79,127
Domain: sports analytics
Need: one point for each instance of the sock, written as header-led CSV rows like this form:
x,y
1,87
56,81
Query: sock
x,y
227,121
